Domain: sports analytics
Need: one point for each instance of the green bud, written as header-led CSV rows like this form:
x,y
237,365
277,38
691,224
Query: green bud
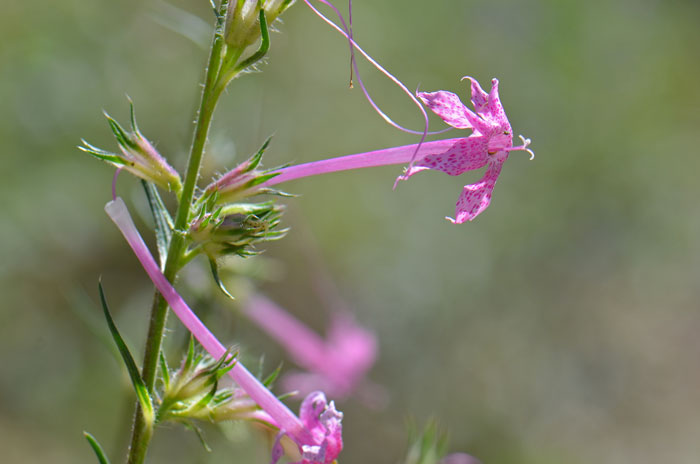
x,y
194,387
192,392
242,27
137,156
245,180
236,228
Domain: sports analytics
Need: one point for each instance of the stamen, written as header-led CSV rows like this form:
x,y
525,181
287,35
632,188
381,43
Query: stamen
x,y
523,147
114,183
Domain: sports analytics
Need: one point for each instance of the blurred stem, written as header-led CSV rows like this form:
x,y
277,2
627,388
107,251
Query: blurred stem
x,y
142,432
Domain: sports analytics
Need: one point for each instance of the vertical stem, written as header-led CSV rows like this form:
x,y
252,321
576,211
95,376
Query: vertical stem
x,y
142,432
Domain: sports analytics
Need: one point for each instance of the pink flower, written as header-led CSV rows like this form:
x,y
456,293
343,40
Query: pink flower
x,y
324,424
336,365
489,144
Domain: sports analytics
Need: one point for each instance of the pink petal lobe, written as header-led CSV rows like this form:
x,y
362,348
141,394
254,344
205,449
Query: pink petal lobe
x,y
475,198
311,408
479,97
466,154
449,107
494,109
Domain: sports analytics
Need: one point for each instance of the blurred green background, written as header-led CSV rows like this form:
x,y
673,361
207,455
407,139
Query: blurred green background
x,y
560,326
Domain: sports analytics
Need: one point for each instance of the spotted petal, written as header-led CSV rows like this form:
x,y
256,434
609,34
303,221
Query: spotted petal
x,y
466,154
475,198
449,107
494,109
479,97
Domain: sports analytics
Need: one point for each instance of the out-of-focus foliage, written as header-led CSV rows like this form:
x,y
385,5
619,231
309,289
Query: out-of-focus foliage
x,y
560,326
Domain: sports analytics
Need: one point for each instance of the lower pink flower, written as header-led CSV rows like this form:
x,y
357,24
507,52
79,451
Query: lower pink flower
x,y
324,423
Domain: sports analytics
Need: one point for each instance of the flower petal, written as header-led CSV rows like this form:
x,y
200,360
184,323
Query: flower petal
x,y
479,97
475,198
466,154
277,449
494,110
449,107
311,408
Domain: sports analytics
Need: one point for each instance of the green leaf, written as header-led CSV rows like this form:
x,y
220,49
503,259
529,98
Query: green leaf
x,y
96,448
205,400
139,386
254,161
259,179
225,363
264,45
189,360
270,379
247,208
162,219
279,193
190,425
132,115
123,138
103,155
215,274
164,371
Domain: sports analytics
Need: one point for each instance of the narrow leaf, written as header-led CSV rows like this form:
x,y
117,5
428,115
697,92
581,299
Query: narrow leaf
x,y
93,149
215,273
189,360
122,136
132,114
205,400
270,379
254,161
164,371
104,155
140,387
264,44
199,433
101,456
225,363
162,219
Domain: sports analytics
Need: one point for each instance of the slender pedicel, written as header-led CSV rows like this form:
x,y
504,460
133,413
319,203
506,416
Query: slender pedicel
x,y
114,182
284,417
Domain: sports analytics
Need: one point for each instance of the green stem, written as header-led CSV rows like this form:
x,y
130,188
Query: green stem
x,y
142,432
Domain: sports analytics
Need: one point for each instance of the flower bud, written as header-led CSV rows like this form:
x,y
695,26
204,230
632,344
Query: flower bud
x,y
235,229
242,181
242,26
138,156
